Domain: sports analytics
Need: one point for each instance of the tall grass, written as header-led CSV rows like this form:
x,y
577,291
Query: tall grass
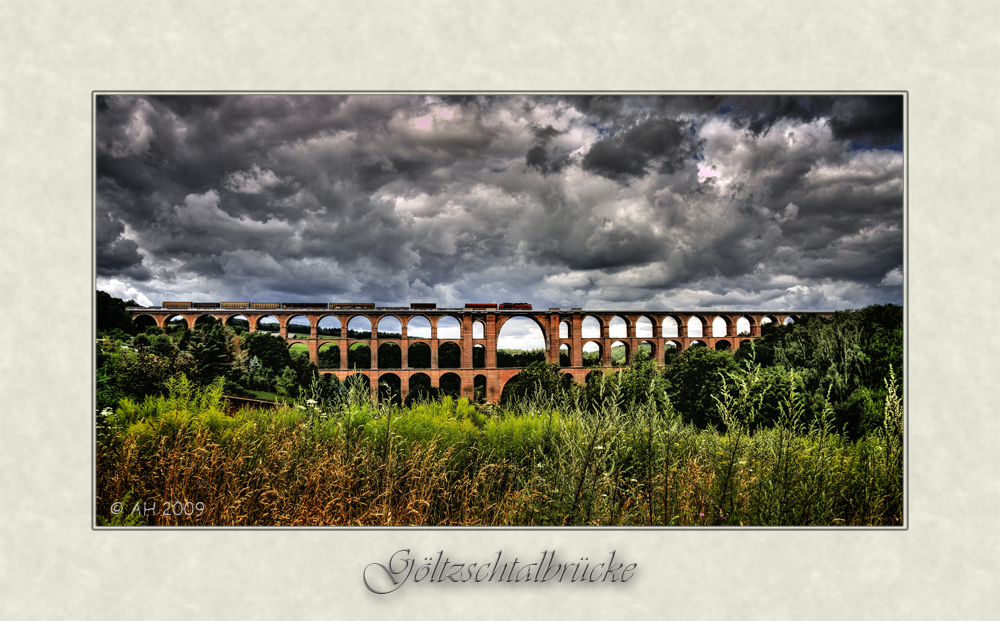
x,y
544,461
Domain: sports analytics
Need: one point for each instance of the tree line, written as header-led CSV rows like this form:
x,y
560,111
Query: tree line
x,y
842,361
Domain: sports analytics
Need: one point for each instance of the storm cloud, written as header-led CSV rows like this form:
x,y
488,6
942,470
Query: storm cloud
x,y
726,202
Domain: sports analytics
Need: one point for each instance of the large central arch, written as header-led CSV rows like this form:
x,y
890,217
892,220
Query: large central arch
x,y
525,334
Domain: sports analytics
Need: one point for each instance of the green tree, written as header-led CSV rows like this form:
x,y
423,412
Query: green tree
x,y
695,376
329,357
211,354
537,378
162,345
287,383
359,356
847,357
270,351
137,374
111,314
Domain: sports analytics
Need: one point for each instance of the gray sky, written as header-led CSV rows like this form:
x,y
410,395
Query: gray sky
x,y
601,202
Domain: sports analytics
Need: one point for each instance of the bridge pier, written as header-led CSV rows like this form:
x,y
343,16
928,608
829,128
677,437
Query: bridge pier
x,y
548,321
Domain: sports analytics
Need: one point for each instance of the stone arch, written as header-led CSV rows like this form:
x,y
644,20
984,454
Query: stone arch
x,y
789,320
390,356
505,395
298,349
418,327
299,325
478,356
449,355
205,321
239,323
176,322
591,327
671,327
450,384
359,382
329,356
268,323
592,354
390,389
478,330
744,326
564,329
359,356
746,343
479,387
647,346
618,327
520,333
328,325
359,327
697,344
723,345
419,387
768,322
565,355
696,327
418,355
721,326
644,328
620,360
448,327
141,322
389,327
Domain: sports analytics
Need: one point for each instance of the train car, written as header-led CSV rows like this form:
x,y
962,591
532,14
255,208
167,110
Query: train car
x,y
265,305
515,306
477,306
309,305
340,305
362,304
423,305
176,305
205,305
235,305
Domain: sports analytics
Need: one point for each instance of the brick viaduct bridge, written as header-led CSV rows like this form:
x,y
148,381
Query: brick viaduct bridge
x,y
564,332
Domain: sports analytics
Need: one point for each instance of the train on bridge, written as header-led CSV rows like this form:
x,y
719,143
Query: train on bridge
x,y
295,305
579,341
523,306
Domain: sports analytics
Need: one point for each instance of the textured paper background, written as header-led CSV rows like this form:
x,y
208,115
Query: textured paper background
x,y
54,54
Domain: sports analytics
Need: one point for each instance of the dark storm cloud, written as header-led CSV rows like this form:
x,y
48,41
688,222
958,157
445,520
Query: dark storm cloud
x,y
870,121
758,114
640,200
660,144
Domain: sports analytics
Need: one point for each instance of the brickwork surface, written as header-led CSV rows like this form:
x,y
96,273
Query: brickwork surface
x,y
664,334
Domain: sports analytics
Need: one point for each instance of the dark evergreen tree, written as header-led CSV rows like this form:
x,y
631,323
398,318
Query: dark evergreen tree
x,y
111,314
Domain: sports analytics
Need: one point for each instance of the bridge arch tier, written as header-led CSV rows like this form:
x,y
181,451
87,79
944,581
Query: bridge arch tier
x,y
478,330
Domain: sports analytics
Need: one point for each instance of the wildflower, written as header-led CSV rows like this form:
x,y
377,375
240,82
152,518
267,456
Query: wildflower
x,y
701,515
